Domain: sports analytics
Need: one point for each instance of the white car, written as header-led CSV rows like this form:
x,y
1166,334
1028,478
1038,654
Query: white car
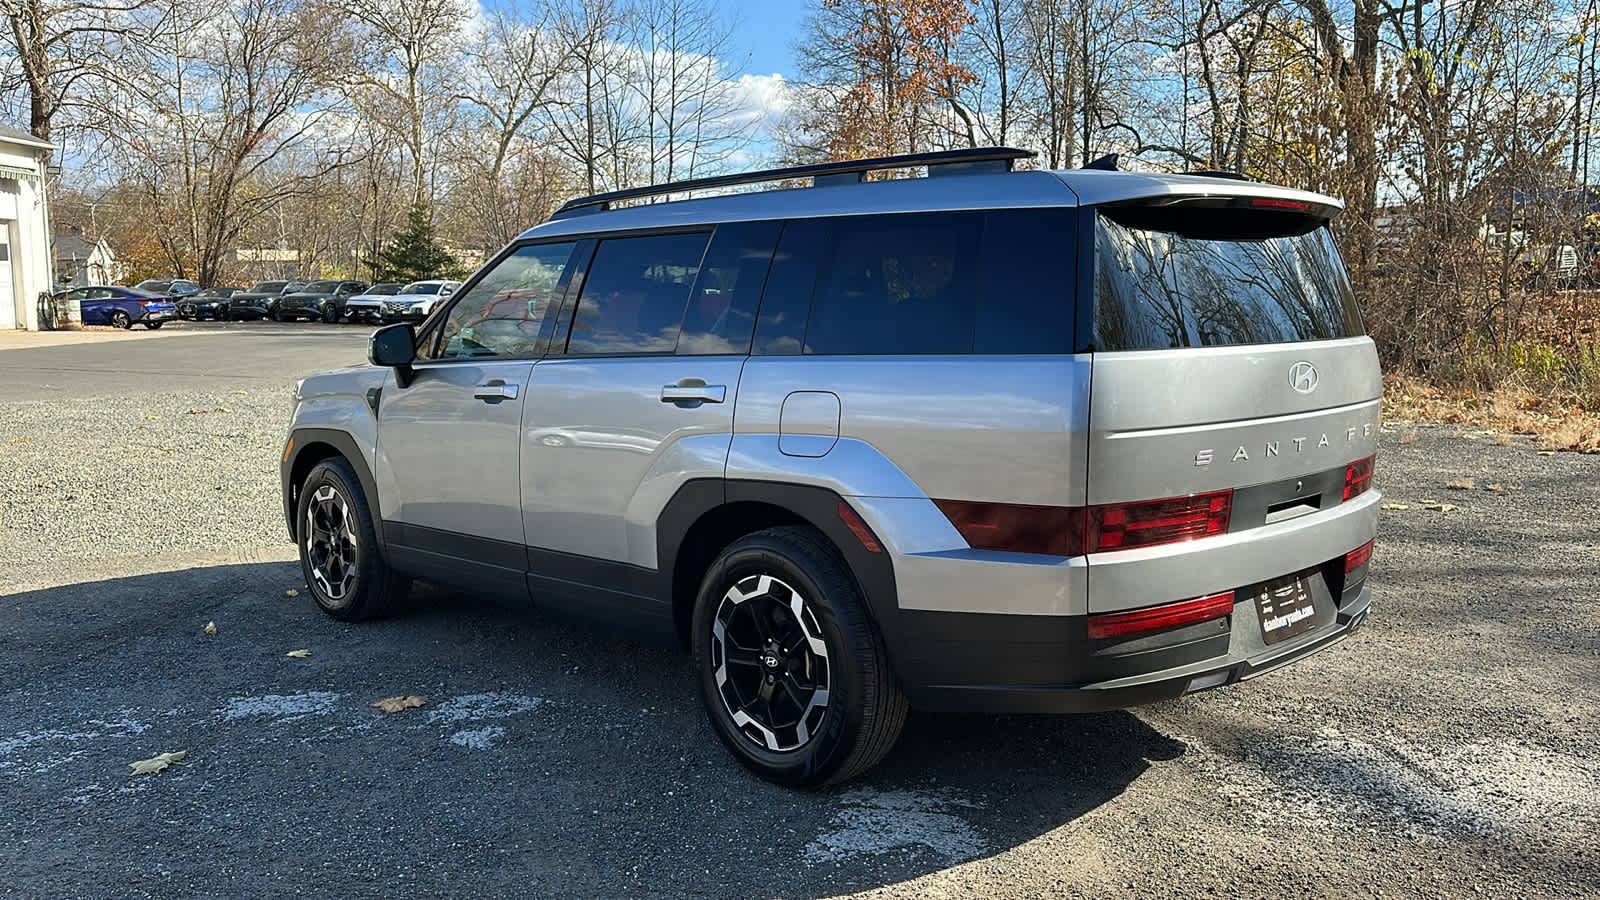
x,y
416,300
367,306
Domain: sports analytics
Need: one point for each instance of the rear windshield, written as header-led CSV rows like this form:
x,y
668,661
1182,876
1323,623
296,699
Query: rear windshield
x,y
1158,288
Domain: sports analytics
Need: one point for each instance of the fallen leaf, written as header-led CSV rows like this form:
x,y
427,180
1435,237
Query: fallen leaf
x,y
1461,484
241,393
222,409
47,484
291,592
152,418
197,412
1547,453
395,704
1441,507
21,440
211,628
298,654
1495,488
1395,506
157,763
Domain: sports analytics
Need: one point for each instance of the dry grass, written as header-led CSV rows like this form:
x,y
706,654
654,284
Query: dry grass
x,y
1554,422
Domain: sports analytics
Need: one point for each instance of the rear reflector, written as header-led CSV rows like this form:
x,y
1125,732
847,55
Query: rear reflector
x,y
858,528
1076,530
1157,618
1358,557
1357,477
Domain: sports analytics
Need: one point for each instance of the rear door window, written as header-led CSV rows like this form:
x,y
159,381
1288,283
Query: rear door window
x,y
722,309
1170,281
634,294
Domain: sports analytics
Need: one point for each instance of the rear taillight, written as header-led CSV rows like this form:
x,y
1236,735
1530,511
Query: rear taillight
x,y
149,303
1074,531
1357,477
1152,522
1157,618
1273,203
1358,557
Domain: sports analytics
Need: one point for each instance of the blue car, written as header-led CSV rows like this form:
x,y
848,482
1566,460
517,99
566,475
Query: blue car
x,y
121,307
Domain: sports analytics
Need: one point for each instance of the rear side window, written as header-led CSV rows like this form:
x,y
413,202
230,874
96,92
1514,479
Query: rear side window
x,y
722,309
1159,287
949,283
634,294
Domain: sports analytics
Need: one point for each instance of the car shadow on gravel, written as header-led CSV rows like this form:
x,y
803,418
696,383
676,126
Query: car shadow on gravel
x,y
550,758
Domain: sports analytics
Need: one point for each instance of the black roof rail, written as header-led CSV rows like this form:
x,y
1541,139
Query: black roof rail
x,y
1219,173
964,161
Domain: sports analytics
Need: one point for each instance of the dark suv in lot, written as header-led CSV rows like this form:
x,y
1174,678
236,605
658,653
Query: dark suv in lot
x,y
985,440
318,300
261,300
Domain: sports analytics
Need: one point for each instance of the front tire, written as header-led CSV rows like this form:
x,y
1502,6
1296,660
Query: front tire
x,y
793,674
121,319
330,314
338,543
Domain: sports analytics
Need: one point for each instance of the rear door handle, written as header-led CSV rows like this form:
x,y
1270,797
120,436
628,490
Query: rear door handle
x,y
495,389
690,393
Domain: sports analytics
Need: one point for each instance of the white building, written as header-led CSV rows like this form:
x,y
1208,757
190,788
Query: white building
x,y
24,228
80,261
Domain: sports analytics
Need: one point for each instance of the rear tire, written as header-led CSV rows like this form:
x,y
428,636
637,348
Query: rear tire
x,y
338,543
793,674
153,325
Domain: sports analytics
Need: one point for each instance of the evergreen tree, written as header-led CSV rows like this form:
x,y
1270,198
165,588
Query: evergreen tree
x,y
414,254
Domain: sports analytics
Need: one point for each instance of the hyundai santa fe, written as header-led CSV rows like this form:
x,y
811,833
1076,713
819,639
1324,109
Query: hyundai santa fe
x,y
983,440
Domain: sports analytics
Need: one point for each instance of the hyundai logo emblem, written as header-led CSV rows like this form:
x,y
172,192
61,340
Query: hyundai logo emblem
x,y
1303,377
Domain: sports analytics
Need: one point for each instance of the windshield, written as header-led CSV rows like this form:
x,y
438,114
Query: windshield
x,y
385,288
1157,288
321,287
295,286
268,287
422,287
153,285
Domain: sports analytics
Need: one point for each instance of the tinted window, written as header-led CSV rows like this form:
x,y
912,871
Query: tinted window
x,y
269,286
787,299
501,315
722,308
634,294
897,284
321,287
1026,287
1158,288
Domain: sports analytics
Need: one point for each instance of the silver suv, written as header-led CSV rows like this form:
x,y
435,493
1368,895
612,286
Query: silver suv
x,y
1009,441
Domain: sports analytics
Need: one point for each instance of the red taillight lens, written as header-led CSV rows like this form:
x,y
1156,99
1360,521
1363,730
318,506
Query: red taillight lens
x,y
1146,524
1076,530
1358,557
1052,530
1357,477
1157,618
148,303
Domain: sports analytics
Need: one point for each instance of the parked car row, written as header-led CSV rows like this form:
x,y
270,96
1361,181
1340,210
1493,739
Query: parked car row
x,y
154,301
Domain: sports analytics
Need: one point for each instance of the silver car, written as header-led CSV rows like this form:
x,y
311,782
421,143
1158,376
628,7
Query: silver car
x,y
1009,441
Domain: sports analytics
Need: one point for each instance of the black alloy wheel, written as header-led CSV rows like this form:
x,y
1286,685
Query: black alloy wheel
x,y
338,543
793,673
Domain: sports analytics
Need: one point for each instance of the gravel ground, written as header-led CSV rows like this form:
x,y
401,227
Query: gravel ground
x,y
1447,749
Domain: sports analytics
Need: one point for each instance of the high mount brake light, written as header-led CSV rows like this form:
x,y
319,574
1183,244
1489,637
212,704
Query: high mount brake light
x,y
1272,203
1158,618
1076,530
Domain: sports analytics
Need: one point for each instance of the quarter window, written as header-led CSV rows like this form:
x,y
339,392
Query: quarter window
x,y
634,294
502,314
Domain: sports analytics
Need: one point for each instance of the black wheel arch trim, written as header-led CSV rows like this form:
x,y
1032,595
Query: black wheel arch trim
x,y
345,445
813,505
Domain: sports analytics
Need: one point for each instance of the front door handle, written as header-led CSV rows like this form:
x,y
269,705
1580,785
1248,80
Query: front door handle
x,y
692,393
495,390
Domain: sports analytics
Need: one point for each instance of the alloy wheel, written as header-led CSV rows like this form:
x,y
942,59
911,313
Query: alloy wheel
x,y
770,663
331,542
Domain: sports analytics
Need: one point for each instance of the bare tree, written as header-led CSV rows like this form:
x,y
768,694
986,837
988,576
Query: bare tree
x,y
61,49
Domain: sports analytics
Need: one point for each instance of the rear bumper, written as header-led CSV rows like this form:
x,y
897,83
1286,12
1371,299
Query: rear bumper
x,y
1034,664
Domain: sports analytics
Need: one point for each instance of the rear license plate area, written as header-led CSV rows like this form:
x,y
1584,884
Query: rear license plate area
x,y
1285,607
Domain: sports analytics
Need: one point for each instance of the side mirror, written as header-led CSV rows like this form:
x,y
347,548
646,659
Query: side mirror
x,y
394,347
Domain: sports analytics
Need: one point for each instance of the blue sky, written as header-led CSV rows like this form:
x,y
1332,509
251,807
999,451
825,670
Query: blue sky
x,y
766,29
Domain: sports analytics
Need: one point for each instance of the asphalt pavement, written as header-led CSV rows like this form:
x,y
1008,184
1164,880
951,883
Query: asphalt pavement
x,y
1447,749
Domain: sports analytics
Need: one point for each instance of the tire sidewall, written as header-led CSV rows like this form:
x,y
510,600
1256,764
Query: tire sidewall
x,y
830,747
